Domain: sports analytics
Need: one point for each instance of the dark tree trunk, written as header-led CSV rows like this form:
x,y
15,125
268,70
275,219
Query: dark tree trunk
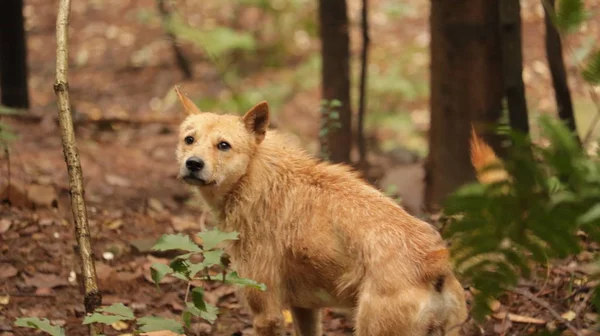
x,y
335,53
362,148
557,70
13,55
466,89
512,61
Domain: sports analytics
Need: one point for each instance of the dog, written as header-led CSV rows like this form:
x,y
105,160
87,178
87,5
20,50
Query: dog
x,y
315,233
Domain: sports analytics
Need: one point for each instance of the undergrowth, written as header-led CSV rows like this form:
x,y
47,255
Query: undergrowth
x,y
500,231
182,267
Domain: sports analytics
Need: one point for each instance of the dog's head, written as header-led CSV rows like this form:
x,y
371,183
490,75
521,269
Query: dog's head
x,y
215,150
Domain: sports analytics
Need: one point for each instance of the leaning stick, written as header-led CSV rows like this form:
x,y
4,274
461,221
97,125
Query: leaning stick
x,y
92,298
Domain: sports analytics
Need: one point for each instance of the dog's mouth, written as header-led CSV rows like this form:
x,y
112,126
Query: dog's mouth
x,y
195,180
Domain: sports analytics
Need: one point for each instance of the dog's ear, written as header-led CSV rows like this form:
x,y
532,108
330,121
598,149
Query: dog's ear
x,y
257,120
188,104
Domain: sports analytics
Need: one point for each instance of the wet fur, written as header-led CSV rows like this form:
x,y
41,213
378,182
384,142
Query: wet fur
x,y
319,236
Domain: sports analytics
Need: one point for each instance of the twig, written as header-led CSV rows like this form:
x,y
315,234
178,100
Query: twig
x,y
362,149
187,291
546,306
92,297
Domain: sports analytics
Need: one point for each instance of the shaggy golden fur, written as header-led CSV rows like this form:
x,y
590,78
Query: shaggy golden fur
x,y
316,234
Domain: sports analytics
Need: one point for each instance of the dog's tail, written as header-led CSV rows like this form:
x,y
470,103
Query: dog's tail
x,y
483,157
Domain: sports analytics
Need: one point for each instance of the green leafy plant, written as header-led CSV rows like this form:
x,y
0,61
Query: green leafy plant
x,y
500,231
181,267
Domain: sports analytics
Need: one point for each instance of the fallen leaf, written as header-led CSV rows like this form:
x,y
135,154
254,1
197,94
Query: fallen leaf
x,y
42,195
119,325
114,224
4,225
7,271
494,305
155,205
569,315
41,280
23,196
182,224
117,180
4,300
103,271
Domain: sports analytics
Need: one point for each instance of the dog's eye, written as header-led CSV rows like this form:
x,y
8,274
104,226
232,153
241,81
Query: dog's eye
x,y
189,140
224,146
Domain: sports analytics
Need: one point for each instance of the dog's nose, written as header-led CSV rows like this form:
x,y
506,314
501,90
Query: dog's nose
x,y
194,164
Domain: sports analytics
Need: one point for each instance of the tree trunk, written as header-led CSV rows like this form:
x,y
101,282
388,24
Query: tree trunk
x,y
360,129
512,55
466,88
557,70
13,55
335,53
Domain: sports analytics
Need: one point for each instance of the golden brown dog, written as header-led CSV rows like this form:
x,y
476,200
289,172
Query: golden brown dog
x,y
315,233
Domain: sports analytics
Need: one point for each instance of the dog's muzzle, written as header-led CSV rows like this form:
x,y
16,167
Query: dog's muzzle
x,y
193,166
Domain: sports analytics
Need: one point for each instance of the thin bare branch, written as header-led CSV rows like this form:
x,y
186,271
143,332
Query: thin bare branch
x,y
92,297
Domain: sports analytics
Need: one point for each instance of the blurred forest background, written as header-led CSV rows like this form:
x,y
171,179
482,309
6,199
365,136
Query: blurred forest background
x,y
433,69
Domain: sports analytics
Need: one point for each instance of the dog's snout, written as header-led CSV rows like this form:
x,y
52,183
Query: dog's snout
x,y
194,164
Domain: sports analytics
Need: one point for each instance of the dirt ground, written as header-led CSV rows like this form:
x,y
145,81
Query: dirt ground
x,y
133,196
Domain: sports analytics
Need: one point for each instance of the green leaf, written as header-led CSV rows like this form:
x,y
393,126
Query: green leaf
x,y
175,242
212,238
180,267
212,258
198,298
186,316
40,324
104,319
210,314
158,271
234,278
118,309
591,72
592,215
569,14
154,323
335,103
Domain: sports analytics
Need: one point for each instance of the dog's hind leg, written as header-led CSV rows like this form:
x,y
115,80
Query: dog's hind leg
x,y
389,311
307,322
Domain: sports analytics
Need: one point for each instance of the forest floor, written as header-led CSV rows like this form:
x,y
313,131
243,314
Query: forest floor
x,y
123,69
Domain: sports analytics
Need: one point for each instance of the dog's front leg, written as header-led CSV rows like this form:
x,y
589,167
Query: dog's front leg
x,y
266,310
307,322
